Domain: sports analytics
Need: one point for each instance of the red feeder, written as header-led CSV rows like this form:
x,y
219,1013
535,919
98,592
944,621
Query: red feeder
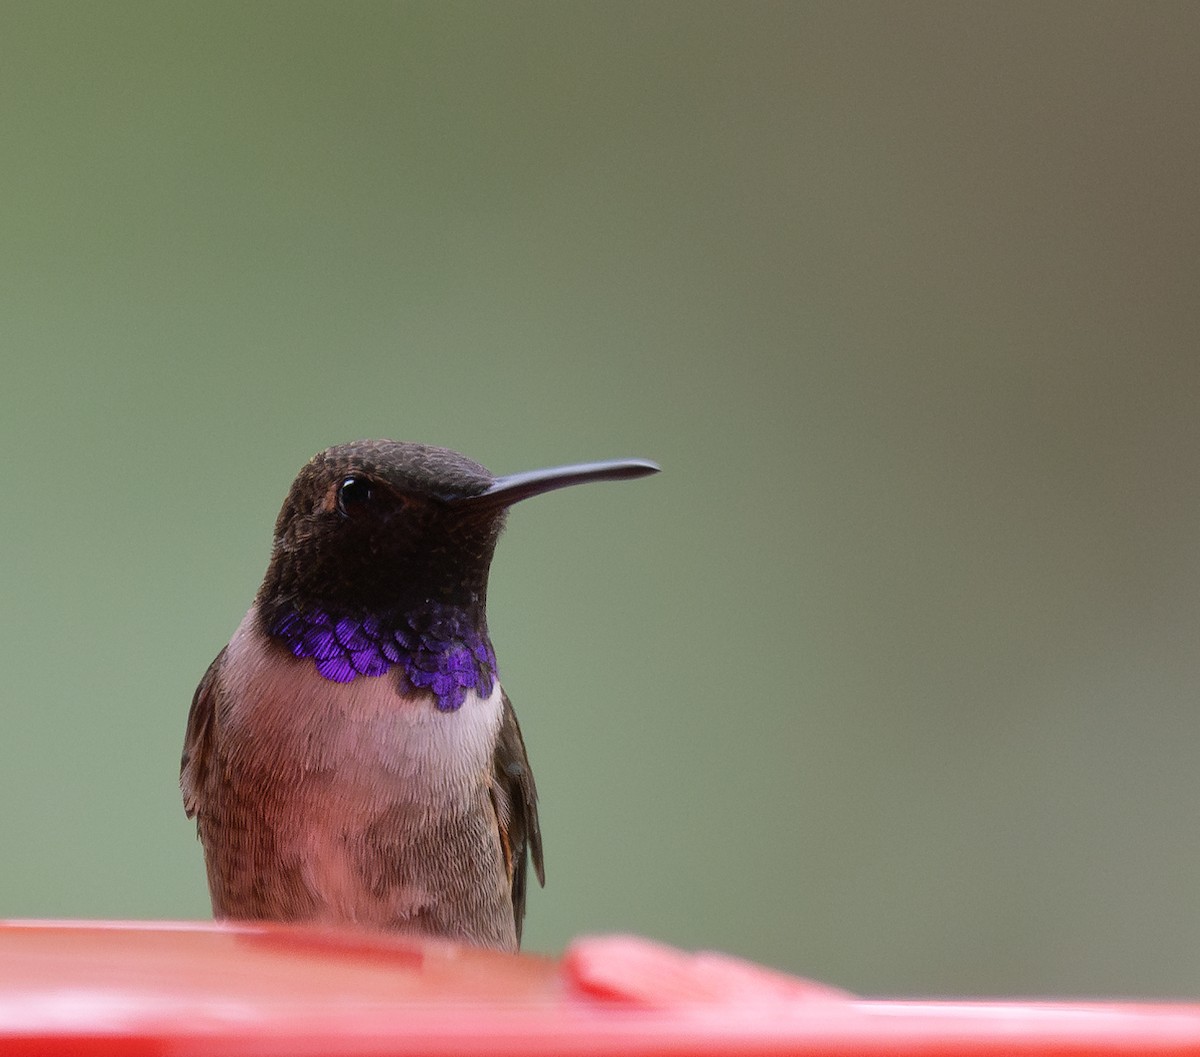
x,y
182,988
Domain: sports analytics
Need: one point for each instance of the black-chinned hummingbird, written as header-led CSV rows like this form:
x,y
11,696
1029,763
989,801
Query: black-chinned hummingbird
x,y
350,756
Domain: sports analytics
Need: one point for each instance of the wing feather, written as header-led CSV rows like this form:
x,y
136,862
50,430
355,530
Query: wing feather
x,y
514,795
198,747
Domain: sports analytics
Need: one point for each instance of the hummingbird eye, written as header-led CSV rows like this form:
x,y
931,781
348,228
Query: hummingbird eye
x,y
353,494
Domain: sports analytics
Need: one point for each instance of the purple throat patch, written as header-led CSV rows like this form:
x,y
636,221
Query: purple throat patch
x,y
439,648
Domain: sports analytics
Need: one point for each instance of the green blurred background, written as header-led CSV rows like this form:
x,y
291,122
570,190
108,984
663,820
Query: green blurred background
x,y
892,676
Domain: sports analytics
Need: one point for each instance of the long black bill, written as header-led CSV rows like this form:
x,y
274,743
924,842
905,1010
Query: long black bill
x,y
505,491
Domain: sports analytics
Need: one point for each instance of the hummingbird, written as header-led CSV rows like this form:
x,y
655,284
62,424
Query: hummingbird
x,y
351,757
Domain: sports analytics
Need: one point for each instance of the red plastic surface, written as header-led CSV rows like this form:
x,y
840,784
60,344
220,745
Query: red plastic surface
x,y
166,988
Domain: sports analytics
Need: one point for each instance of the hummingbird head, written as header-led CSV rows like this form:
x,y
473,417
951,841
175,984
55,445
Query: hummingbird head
x,y
377,525
383,548
381,523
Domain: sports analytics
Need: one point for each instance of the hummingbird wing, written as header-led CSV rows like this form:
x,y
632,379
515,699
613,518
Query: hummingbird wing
x,y
197,742
514,796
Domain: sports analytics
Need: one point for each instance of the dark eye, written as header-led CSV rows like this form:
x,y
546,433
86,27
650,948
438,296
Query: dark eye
x,y
354,493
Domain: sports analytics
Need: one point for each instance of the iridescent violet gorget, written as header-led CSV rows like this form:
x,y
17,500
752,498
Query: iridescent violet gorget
x,y
438,648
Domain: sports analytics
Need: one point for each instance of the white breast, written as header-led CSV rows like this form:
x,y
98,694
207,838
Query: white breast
x,y
283,715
